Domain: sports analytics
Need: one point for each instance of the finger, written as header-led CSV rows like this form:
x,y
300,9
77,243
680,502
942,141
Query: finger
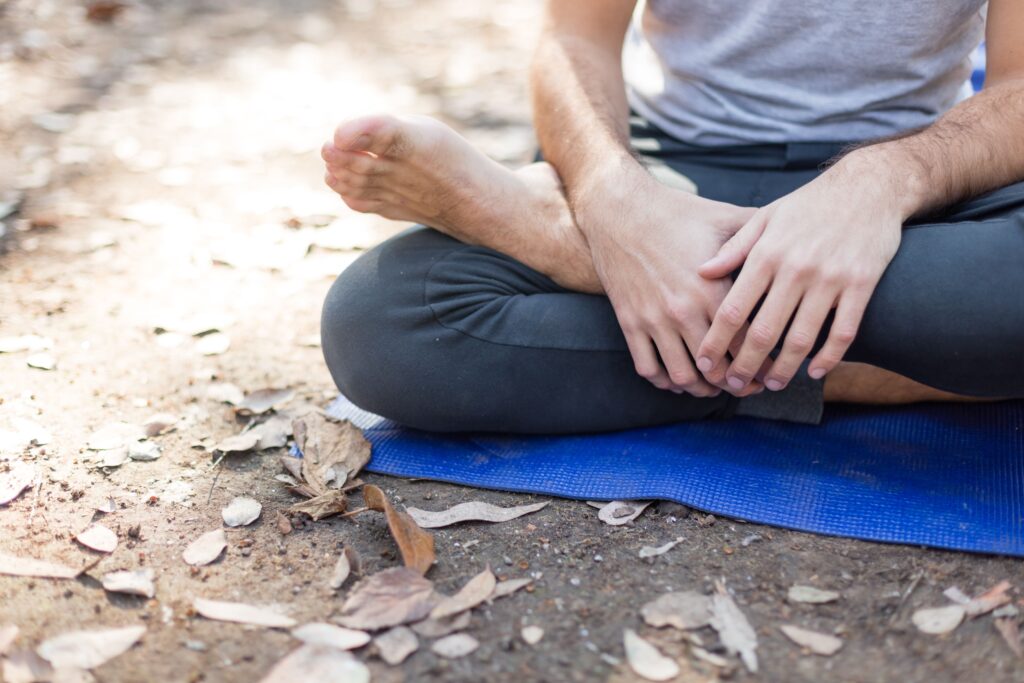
x,y
641,348
807,323
731,316
680,369
764,332
734,252
849,313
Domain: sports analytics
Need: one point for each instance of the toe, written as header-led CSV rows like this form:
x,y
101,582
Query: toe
x,y
383,136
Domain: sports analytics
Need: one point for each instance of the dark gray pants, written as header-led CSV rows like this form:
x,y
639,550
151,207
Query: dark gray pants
x,y
444,336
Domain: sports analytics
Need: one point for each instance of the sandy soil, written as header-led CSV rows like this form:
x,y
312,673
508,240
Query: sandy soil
x,y
180,180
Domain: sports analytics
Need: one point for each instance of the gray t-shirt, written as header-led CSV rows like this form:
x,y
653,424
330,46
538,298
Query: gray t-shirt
x,y
721,72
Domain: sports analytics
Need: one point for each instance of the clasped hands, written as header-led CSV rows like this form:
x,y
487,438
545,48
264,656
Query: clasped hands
x,y
666,261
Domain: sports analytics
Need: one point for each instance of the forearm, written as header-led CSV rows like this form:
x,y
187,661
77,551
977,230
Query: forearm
x,y
976,147
580,112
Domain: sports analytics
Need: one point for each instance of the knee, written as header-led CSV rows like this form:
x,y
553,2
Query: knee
x,y
354,335
383,346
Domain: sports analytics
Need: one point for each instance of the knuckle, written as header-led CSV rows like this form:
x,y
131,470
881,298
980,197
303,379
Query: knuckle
x,y
682,377
844,334
800,341
761,336
731,314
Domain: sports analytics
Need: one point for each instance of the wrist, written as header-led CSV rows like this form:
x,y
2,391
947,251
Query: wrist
x,y
612,193
891,175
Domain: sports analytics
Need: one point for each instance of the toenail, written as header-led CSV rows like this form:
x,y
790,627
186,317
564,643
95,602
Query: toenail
x,y
736,383
773,384
704,364
361,143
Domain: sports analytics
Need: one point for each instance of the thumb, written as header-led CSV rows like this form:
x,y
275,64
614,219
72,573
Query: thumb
x,y
733,253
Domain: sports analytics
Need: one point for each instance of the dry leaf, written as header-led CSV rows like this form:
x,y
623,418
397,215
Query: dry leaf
x,y
455,646
388,598
8,634
25,342
329,635
241,511
1007,628
25,666
241,613
239,443
213,344
284,525
818,643
43,360
98,537
273,432
475,511
436,628
509,587
620,512
938,620
645,659
332,452
114,435
532,634
225,392
159,424
12,565
343,567
811,595
396,644
143,451
651,551
683,610
989,600
88,649
735,632
318,664
262,400
19,477
330,503
415,545
138,582
206,548
476,590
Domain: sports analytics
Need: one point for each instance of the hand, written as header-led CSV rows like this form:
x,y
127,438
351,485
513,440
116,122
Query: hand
x,y
647,241
824,246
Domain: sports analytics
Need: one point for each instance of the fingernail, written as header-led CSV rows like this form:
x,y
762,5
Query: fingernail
x,y
816,373
736,383
704,364
715,393
773,384
677,391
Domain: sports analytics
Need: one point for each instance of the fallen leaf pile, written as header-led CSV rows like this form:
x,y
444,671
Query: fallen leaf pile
x,y
333,453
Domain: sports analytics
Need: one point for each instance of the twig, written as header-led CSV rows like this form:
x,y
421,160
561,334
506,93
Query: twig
x,y
355,512
906,594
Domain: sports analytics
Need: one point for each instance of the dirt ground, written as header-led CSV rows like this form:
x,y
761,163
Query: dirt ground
x,y
163,173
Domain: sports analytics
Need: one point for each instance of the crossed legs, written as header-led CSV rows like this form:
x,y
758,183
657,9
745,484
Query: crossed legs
x,y
417,169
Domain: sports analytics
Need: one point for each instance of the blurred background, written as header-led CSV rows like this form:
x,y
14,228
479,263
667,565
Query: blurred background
x,y
160,173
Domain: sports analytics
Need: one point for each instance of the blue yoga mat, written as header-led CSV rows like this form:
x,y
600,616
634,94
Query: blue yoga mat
x,y
948,476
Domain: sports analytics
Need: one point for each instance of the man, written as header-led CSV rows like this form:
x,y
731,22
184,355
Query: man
x,y
851,203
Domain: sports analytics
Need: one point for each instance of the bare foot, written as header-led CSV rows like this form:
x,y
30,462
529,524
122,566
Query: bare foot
x,y
860,383
414,168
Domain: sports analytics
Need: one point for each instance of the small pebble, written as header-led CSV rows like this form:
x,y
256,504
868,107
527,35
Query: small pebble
x,y
574,581
598,558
